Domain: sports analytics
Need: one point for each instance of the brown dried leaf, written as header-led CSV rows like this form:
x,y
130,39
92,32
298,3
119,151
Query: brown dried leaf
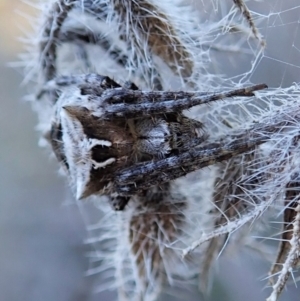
x,y
287,232
142,23
289,250
157,220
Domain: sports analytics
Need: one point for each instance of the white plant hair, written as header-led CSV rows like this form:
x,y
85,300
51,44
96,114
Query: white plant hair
x,y
152,246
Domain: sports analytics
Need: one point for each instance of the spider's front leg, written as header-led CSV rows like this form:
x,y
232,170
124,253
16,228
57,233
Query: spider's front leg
x,y
123,103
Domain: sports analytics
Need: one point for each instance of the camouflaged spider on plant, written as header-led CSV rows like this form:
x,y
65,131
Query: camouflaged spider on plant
x,y
133,143
119,141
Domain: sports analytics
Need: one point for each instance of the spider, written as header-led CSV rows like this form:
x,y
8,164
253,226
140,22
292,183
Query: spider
x,y
115,140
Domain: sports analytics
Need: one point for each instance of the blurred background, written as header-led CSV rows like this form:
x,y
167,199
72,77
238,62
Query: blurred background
x,y
42,250
42,254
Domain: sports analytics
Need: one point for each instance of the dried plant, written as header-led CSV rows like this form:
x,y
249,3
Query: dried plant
x,y
127,142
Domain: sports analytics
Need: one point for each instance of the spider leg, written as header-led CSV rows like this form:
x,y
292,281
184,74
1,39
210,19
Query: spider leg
x,y
122,103
144,175
128,102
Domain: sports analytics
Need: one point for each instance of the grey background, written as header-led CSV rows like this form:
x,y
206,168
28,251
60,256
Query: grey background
x,y
42,255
